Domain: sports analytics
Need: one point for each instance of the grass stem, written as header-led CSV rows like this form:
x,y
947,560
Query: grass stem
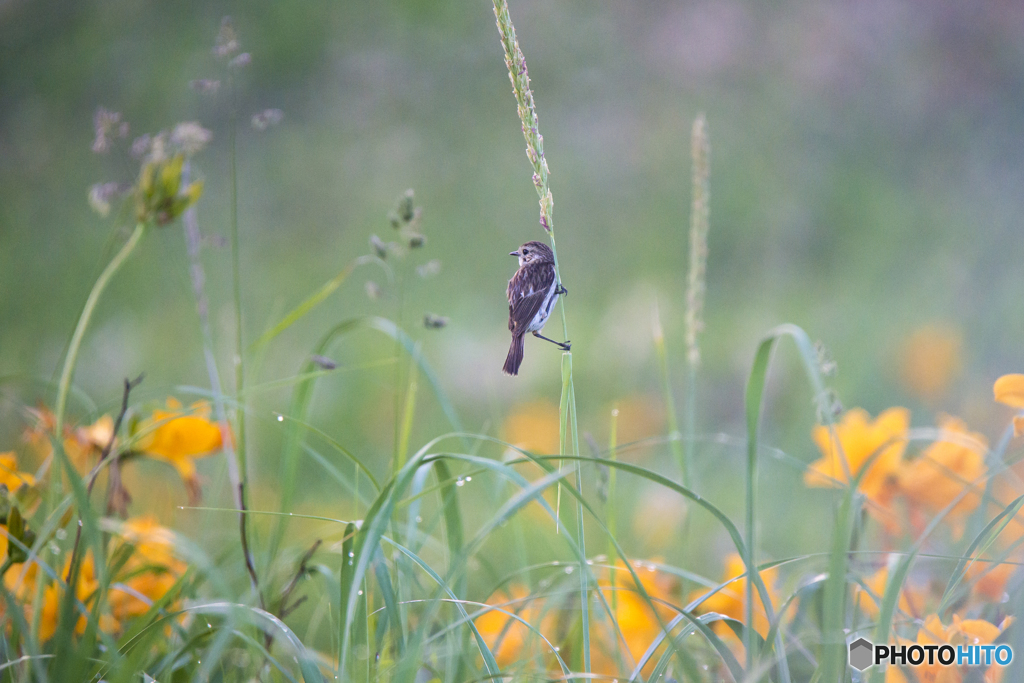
x,y
66,375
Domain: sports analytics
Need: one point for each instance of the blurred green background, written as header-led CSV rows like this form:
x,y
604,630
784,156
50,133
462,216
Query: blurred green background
x,y
866,175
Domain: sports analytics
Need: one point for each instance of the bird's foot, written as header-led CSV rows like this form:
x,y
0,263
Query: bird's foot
x,y
565,346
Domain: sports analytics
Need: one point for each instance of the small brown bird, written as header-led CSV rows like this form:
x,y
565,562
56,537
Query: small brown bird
x,y
532,292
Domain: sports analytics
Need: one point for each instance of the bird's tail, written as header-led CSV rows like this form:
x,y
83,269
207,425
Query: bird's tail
x,y
515,356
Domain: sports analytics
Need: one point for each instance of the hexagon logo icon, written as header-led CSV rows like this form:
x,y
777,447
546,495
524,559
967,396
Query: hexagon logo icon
x,y
860,654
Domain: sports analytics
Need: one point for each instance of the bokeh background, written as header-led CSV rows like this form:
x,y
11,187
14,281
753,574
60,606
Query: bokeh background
x,y
866,172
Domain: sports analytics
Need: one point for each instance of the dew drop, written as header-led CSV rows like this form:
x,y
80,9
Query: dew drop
x,y
360,593
61,534
460,482
351,553
557,649
419,520
280,418
568,570
469,478
555,563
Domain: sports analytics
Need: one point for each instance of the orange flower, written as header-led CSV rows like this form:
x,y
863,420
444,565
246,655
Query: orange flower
x,y
636,620
960,632
732,599
933,480
150,571
85,591
81,445
1009,390
533,427
178,437
989,579
509,639
911,599
875,446
930,360
9,474
931,633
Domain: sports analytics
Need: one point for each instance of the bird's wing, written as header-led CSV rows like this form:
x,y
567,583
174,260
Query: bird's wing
x,y
527,291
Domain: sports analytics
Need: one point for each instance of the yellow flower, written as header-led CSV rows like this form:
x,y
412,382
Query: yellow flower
x,y
9,474
1009,390
533,427
85,591
933,480
82,445
960,632
911,599
178,436
150,571
930,360
732,599
989,579
509,639
636,620
876,445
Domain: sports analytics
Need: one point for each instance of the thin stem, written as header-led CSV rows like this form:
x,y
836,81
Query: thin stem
x,y
610,511
675,438
236,274
66,375
128,386
515,61
241,476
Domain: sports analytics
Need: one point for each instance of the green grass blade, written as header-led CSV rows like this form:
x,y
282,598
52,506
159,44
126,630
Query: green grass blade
x,y
390,604
346,582
753,402
980,544
311,302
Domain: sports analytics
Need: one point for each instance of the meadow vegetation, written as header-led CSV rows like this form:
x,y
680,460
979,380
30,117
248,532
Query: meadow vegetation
x,y
507,551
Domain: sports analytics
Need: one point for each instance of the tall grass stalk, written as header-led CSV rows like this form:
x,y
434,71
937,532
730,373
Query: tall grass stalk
x,y
674,437
515,61
700,151
238,469
609,510
71,359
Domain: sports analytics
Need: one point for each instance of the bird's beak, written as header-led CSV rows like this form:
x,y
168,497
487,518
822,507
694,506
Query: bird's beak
x,y
514,253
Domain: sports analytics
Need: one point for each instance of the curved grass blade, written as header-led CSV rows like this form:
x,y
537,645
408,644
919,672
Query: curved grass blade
x,y
311,302
390,604
582,502
489,661
980,544
303,395
753,400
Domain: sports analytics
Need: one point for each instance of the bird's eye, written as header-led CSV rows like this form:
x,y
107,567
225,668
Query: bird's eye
x,y
526,251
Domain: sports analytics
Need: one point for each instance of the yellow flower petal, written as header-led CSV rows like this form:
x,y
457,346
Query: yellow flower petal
x,y
9,474
860,443
1009,389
